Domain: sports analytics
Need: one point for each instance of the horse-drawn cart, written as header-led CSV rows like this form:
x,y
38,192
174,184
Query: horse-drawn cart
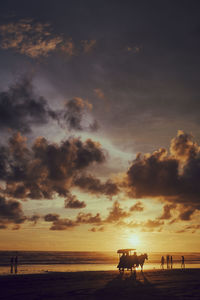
x,y
130,261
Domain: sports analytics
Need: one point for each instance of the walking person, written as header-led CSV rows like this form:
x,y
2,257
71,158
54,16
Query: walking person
x,y
11,264
162,262
182,262
171,260
167,259
16,264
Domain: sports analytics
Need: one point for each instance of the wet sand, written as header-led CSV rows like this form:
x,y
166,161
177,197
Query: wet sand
x,y
155,284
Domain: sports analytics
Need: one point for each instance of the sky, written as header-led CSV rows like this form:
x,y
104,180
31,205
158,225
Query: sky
x,y
99,122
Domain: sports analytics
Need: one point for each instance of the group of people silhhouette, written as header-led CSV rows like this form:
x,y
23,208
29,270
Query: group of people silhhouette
x,y
169,262
13,264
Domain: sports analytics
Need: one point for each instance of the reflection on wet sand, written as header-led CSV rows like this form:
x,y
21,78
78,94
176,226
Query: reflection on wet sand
x,y
129,287
152,285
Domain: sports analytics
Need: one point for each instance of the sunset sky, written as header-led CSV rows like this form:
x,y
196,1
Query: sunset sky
x,y
100,125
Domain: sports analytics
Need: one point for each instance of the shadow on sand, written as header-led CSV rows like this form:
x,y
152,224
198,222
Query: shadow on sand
x,y
129,287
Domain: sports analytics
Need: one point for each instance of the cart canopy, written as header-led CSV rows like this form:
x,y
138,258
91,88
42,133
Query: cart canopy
x,y
125,250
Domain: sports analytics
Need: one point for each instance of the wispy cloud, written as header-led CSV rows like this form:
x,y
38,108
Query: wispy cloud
x,y
99,93
88,45
29,38
73,202
36,39
134,49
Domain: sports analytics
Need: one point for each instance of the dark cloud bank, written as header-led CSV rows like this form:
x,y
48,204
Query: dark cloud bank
x,y
10,212
173,177
46,169
21,108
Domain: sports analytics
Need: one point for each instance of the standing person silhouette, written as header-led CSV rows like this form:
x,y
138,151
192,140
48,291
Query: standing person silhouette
x,y
167,259
162,262
16,264
11,264
182,262
171,259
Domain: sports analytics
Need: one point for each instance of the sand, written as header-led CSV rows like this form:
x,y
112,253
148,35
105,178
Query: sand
x,y
155,284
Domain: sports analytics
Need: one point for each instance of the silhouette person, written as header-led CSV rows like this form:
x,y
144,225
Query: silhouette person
x,y
182,262
167,259
11,264
162,262
171,259
16,264
123,259
135,259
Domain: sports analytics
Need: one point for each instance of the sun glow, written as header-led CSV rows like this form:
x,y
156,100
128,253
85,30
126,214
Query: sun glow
x,y
134,240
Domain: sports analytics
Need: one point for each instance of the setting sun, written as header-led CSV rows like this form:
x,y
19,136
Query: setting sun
x,y
134,240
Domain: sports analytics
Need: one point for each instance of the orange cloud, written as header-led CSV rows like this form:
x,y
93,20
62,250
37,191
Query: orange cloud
x,y
29,38
88,45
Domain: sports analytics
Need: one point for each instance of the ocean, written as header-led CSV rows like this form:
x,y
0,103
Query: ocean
x,y
30,262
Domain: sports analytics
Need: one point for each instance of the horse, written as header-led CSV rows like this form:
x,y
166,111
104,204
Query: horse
x,y
129,262
141,260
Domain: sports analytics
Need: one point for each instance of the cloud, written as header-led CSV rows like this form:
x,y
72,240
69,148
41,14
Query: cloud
x,y
20,107
99,93
166,215
51,217
75,115
190,228
34,218
3,226
173,176
186,214
16,227
88,218
172,221
183,147
88,45
116,213
63,224
66,224
97,229
137,207
134,49
94,186
45,169
153,175
29,38
68,47
146,226
10,212
151,224
36,39
73,202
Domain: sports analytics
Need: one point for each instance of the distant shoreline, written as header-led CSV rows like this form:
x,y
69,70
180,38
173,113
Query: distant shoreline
x,y
28,269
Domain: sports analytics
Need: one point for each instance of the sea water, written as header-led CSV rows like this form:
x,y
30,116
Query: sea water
x,y
30,262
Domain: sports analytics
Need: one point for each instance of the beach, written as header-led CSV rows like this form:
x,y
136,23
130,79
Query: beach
x,y
151,284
